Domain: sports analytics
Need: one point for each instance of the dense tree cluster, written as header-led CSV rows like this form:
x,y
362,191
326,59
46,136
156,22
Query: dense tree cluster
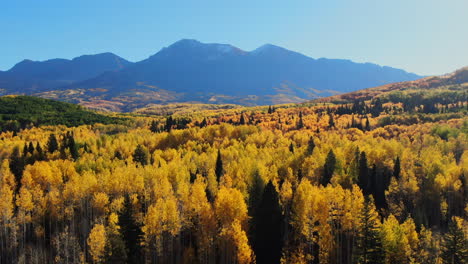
x,y
255,185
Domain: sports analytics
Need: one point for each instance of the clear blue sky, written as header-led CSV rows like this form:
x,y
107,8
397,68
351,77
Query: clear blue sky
x,y
422,36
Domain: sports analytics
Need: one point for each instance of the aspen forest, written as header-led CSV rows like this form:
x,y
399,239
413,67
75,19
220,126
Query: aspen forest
x,y
376,179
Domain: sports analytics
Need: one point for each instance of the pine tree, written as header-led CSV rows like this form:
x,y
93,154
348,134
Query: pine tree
x,y
328,168
169,124
455,248
291,147
268,239
219,170
204,123
40,153
17,165
310,146
131,233
140,155
154,127
396,168
31,148
331,121
300,124
52,144
363,177
242,120
368,243
72,147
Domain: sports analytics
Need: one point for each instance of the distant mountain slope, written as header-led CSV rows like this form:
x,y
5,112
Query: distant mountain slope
x,y
35,76
18,112
453,86
189,71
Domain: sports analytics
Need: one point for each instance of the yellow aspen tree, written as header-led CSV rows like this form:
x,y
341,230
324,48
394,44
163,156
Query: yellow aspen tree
x,y
395,242
97,243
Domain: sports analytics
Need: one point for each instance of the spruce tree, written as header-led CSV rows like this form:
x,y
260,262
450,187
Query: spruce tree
x,y
300,124
140,155
169,124
72,147
368,248
396,168
455,248
52,144
331,121
268,238
17,164
219,170
328,168
131,233
291,147
154,127
310,146
242,120
31,148
363,177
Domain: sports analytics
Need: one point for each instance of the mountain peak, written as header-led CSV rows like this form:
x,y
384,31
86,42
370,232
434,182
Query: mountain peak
x,y
193,48
267,48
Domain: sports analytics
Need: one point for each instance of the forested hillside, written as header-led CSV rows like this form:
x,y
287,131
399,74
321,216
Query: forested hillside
x,y
19,112
367,180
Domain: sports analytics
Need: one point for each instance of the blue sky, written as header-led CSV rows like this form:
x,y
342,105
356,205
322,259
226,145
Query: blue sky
x,y
421,36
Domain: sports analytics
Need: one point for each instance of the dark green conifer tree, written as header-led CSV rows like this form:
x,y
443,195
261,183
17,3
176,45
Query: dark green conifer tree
x,y
131,233
268,238
328,168
219,170
455,247
368,247
52,144
140,155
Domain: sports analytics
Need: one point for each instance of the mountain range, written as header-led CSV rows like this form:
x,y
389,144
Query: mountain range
x,y
191,71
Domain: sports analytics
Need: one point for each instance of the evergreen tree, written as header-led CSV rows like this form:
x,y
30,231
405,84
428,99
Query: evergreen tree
x,y
270,110
268,238
331,121
367,124
204,123
52,144
291,147
31,148
72,147
154,127
118,155
131,233
328,168
242,120
455,248
17,165
219,170
140,155
300,124
368,242
169,124
363,177
396,168
40,153
310,146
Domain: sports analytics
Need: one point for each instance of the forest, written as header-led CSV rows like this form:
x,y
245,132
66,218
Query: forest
x,y
380,180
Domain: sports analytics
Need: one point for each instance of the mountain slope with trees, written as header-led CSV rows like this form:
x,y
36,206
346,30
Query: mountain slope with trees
x,y
353,182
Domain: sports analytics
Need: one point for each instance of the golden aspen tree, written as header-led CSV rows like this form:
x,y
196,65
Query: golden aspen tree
x,y
97,243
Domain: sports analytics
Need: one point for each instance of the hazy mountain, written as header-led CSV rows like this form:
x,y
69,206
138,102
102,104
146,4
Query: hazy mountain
x,y
451,86
34,76
191,71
